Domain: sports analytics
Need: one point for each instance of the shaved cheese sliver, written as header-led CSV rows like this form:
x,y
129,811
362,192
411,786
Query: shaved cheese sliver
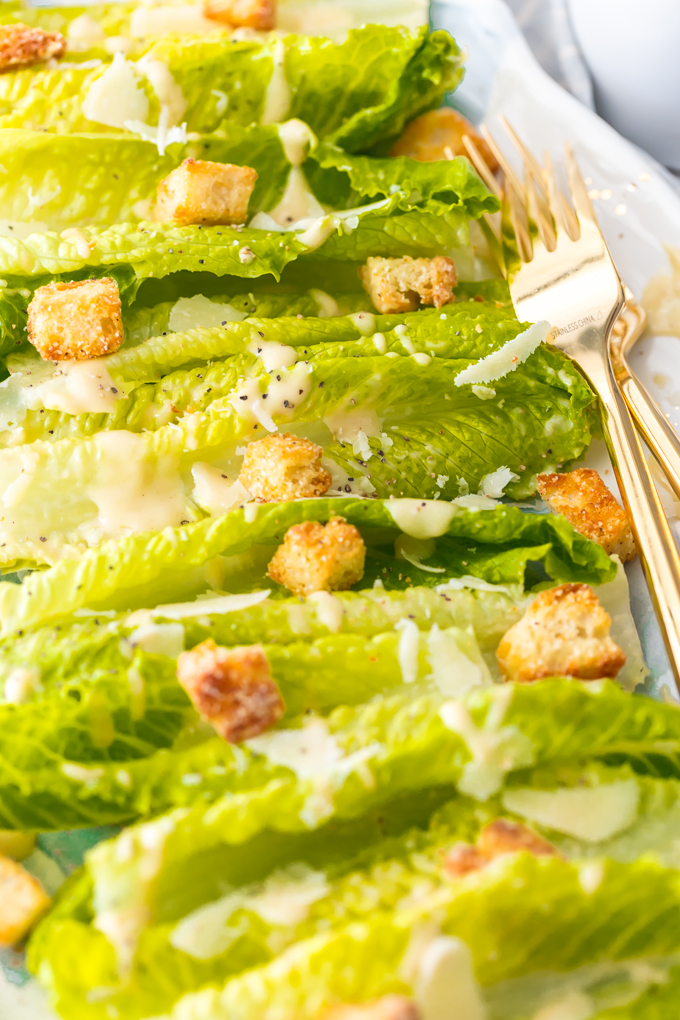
x,y
495,366
203,607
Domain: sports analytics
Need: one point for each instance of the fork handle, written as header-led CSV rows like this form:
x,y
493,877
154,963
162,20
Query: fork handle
x,y
656,546
657,432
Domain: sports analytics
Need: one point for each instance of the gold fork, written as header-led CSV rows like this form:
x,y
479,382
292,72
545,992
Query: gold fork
x,y
656,430
567,276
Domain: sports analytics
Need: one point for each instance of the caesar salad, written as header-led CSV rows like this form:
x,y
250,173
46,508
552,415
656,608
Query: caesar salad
x,y
309,614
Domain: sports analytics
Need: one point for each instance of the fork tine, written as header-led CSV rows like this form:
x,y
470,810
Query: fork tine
x,y
536,189
502,161
520,222
480,165
560,208
528,157
577,186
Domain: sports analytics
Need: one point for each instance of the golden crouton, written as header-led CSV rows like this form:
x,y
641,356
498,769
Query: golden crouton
x,y
564,632
76,320
389,1007
259,14
23,901
21,46
397,285
582,497
439,135
200,191
496,839
232,688
317,557
283,467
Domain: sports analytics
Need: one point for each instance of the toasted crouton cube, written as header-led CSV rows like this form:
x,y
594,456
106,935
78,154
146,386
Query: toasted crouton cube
x,y
496,839
232,688
23,901
76,321
200,191
439,135
582,497
564,632
21,46
317,557
283,467
389,1007
397,285
259,14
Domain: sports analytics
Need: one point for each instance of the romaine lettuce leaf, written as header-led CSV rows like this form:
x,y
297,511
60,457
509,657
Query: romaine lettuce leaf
x,y
81,179
539,417
388,748
357,93
176,563
200,942
520,916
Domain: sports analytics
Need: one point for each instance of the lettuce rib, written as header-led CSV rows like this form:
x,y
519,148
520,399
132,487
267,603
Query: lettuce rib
x,y
175,563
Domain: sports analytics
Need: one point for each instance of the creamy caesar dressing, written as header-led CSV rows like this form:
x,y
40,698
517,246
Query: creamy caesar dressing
x,y
272,354
379,342
421,518
132,489
298,202
455,660
313,753
216,492
116,96
21,683
347,422
445,985
495,749
285,390
408,650
84,33
297,139
199,311
507,359
318,232
365,322
327,306
590,813
78,387
309,751
284,899
277,98
159,638
81,773
357,484
80,240
414,550
329,609
184,19
25,463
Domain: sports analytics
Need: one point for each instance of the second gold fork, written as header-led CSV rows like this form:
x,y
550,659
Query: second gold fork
x,y
567,277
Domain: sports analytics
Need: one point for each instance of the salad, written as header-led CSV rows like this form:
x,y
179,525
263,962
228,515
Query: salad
x,y
309,616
